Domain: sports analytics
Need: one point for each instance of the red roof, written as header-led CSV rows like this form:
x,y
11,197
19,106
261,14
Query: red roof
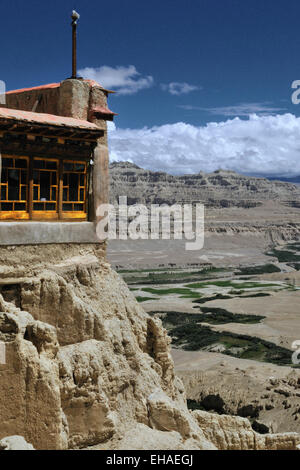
x,y
92,83
102,110
48,119
41,87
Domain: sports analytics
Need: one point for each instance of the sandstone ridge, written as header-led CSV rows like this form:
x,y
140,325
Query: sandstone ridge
x,y
221,188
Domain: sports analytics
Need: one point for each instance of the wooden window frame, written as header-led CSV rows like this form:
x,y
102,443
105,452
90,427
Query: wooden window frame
x,y
74,214
13,214
58,214
44,214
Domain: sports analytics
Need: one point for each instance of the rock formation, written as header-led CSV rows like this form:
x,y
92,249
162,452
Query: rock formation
x,y
218,189
234,433
15,443
86,366
243,210
265,393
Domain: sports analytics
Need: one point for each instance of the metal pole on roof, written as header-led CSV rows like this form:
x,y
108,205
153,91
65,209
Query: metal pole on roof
x,y
75,17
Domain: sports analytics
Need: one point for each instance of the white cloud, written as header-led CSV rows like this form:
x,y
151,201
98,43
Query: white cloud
x,y
241,109
176,88
124,80
260,145
111,127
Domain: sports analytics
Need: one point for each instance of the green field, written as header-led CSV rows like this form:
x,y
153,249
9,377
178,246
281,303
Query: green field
x,y
213,315
255,270
232,284
194,337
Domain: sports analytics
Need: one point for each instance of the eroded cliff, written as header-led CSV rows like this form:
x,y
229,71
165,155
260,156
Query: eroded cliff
x,y
86,366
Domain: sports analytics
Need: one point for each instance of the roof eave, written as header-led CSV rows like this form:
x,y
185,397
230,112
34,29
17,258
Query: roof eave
x,y
44,130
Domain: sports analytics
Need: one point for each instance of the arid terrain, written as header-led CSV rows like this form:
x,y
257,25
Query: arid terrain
x,y
221,188
232,308
193,351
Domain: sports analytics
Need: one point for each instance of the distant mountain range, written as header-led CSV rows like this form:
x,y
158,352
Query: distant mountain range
x,y
218,189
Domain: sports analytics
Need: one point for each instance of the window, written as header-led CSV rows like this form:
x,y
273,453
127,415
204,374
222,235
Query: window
x,y
74,186
45,185
43,188
14,187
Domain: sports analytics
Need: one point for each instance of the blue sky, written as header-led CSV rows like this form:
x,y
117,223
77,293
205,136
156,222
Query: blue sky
x,y
192,62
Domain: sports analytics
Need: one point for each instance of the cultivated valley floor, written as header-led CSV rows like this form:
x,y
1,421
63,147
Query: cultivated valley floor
x,y
231,309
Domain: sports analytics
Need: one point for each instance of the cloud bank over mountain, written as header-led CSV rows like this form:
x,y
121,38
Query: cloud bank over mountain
x,y
260,145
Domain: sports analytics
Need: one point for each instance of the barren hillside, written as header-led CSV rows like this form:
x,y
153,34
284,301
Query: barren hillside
x,y
219,189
